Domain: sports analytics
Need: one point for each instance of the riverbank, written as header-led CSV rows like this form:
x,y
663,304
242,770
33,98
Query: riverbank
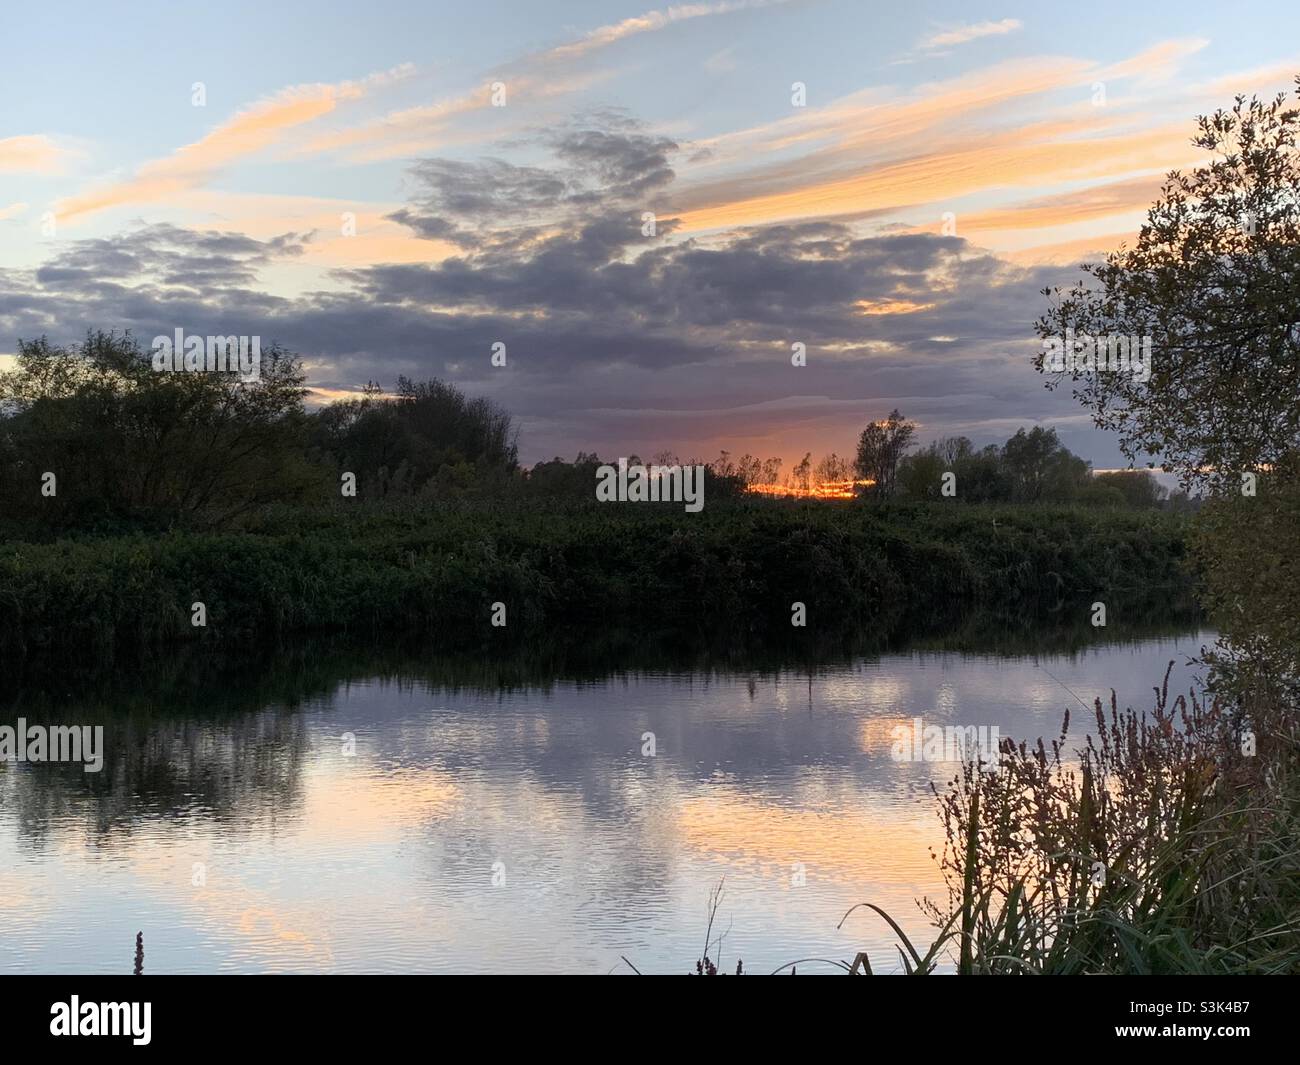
x,y
733,572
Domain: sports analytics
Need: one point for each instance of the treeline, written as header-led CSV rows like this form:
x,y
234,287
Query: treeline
x,y
1033,466
93,437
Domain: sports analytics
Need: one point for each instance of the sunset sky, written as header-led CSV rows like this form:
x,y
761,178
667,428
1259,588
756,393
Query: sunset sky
x,y
1041,132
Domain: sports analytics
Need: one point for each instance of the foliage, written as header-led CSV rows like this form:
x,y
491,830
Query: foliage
x,y
402,444
123,439
436,569
1245,548
1171,844
1214,280
880,448
1031,467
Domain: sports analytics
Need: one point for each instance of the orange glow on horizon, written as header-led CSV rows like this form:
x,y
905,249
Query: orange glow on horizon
x,y
821,490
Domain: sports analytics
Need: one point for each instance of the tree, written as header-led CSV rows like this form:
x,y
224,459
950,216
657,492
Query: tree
x,y
953,449
1214,281
456,427
399,444
1039,467
125,439
981,477
1138,488
880,447
801,474
831,469
750,469
920,476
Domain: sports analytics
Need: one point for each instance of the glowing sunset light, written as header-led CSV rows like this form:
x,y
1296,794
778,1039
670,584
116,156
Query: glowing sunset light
x,y
891,307
821,490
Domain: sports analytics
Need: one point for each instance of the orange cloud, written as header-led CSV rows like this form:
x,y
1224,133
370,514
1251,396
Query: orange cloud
x,y
963,34
1070,252
1081,205
877,120
34,154
1157,63
1263,81
430,126
891,307
248,132
1029,157
874,153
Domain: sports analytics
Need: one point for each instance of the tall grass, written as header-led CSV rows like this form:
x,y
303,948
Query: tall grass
x,y
1169,843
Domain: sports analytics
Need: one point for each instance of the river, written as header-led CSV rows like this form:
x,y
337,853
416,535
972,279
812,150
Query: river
x,y
386,822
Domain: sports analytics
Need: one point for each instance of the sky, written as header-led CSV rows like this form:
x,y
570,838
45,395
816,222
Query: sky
x,y
647,206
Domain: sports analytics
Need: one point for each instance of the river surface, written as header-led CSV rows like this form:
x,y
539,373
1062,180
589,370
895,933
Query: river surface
x,y
392,824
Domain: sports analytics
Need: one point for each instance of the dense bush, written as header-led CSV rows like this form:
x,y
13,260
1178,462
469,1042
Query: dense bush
x,y
733,567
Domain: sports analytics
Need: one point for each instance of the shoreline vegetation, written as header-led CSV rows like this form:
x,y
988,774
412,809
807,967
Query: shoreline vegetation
x,y
1161,842
1167,840
728,576
143,511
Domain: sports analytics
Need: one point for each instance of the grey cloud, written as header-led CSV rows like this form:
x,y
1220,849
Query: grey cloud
x,y
471,204
168,255
617,342
625,165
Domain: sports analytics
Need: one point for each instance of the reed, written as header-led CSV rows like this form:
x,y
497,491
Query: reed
x,y
1169,843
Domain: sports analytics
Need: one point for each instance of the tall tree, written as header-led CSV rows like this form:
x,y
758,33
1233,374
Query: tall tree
x,y
802,473
1214,281
880,447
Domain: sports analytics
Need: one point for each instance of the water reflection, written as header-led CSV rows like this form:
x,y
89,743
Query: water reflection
x,y
411,815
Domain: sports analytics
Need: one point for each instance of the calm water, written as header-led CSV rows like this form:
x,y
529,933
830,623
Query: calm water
x,y
516,830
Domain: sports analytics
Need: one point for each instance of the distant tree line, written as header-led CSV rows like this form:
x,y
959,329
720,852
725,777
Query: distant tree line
x,y
1033,466
91,436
